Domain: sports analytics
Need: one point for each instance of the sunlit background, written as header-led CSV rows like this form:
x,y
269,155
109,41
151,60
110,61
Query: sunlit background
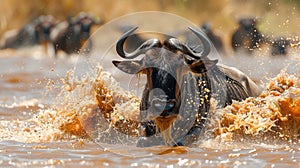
x,y
223,14
48,115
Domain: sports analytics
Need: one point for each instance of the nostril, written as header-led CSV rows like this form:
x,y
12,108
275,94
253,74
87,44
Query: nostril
x,y
163,106
170,105
159,104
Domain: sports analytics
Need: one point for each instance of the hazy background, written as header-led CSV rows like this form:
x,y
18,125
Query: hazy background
x,y
280,17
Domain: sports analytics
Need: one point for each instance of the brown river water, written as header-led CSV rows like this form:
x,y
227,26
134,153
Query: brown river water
x,y
45,114
49,116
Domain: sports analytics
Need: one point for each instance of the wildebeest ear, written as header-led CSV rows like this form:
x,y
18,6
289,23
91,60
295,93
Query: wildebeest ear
x,y
202,65
131,67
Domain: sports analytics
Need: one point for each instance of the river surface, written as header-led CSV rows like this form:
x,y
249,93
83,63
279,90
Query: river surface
x,y
32,112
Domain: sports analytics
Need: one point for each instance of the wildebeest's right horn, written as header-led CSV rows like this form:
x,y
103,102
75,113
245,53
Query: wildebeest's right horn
x,y
176,44
205,43
140,50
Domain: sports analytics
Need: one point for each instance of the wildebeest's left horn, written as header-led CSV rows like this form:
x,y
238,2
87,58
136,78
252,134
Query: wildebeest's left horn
x,y
176,44
140,50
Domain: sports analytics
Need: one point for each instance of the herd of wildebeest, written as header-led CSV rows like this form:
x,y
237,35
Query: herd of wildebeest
x,y
247,38
67,36
70,35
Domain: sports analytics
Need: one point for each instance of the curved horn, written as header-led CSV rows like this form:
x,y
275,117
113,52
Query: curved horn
x,y
175,44
204,40
140,50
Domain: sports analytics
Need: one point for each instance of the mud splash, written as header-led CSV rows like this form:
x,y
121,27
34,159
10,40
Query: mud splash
x,y
272,117
97,107
43,126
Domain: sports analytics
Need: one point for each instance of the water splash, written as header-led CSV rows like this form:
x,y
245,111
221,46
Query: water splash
x,y
96,107
272,117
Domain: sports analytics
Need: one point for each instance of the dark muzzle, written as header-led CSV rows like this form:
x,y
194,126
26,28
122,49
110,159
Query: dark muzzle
x,y
164,106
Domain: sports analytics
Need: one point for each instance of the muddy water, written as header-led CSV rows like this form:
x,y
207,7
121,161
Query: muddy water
x,y
42,122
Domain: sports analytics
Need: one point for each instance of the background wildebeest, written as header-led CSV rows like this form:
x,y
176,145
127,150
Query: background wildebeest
x,y
70,36
33,33
181,83
246,37
279,46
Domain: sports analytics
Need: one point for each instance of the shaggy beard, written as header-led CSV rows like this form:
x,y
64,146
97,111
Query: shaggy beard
x,y
164,125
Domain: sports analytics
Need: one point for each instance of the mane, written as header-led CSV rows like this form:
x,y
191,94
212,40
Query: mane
x,y
226,88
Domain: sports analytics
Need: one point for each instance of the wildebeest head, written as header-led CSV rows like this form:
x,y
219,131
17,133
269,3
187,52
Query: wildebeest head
x,y
44,25
279,46
247,23
86,21
165,64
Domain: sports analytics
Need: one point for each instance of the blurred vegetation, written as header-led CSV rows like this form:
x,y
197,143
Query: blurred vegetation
x,y
275,16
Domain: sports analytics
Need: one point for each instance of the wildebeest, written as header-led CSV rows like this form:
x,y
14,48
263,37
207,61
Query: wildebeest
x,y
33,33
247,37
180,86
214,38
70,36
279,46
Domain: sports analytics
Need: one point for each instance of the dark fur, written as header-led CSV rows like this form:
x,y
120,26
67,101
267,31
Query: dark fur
x,y
180,83
247,37
224,89
71,38
32,33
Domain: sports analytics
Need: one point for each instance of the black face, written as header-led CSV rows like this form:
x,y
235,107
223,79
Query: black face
x,y
162,92
43,28
47,26
165,64
86,24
